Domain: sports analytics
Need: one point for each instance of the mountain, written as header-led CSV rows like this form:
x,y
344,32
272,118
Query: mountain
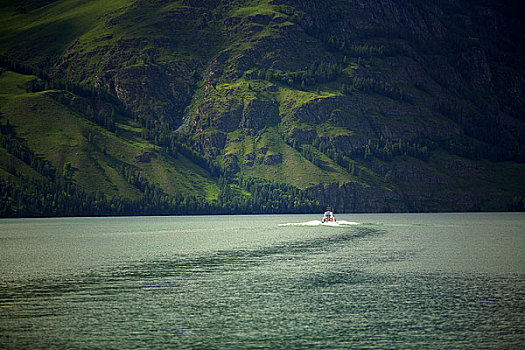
x,y
194,106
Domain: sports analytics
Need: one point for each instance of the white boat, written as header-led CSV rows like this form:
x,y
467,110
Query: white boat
x,y
328,216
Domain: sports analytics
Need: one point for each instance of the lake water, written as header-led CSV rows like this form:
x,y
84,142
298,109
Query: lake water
x,y
399,281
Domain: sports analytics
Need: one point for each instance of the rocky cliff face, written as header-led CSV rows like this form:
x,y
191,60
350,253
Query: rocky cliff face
x,y
160,92
391,101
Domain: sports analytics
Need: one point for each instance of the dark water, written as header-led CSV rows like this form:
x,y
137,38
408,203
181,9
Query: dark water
x,y
431,281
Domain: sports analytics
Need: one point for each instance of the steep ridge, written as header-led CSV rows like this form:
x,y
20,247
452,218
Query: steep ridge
x,y
381,105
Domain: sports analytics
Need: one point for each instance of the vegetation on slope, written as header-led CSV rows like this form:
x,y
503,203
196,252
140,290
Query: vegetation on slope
x,y
265,106
84,169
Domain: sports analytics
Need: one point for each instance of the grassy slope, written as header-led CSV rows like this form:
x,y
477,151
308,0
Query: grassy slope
x,y
10,162
65,136
80,18
293,169
50,29
97,155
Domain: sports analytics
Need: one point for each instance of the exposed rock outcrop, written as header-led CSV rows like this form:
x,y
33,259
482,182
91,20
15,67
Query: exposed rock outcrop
x,y
231,164
211,142
331,79
152,91
258,114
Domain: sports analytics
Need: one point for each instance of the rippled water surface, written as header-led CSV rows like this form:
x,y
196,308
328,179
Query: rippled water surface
x,y
401,281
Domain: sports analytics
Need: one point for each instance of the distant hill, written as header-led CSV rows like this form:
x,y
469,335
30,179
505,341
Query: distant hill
x,y
192,106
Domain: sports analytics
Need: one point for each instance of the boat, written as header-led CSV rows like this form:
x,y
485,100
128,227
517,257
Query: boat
x,y
328,216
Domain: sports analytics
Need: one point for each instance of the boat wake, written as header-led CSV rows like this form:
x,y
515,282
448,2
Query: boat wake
x,y
339,223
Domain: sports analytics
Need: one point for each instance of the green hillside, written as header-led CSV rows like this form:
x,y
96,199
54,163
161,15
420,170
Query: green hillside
x,y
159,107
100,160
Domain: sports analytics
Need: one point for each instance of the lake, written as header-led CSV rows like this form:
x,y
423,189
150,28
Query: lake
x,y
396,281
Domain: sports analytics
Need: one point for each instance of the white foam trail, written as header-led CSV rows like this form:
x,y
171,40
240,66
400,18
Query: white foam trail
x,y
344,222
319,223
